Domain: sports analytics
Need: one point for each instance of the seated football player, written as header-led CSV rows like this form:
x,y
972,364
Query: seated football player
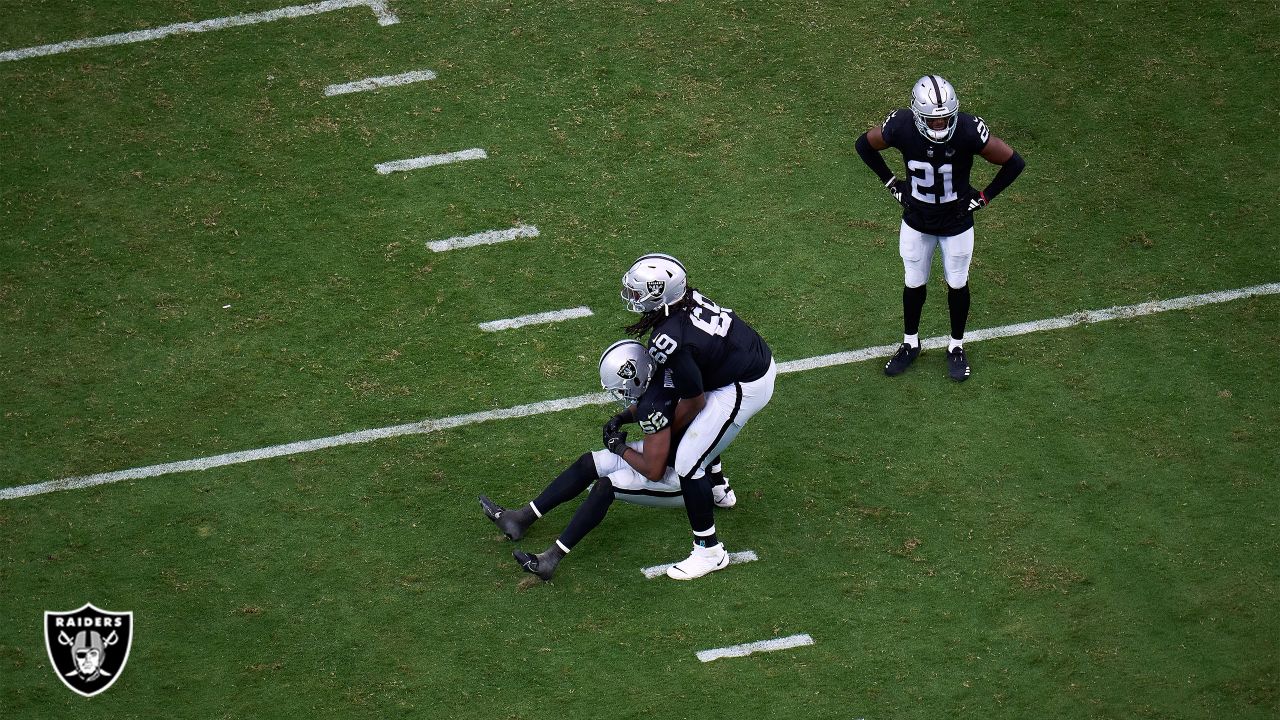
x,y
639,471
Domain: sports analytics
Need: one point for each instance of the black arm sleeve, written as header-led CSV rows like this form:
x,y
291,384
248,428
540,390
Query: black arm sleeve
x,y
872,158
1004,177
685,374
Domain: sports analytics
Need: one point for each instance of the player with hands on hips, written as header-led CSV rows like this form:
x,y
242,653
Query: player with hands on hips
x,y
938,144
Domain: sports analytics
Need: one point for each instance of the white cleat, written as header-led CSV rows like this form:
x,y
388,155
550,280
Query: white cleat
x,y
701,561
723,496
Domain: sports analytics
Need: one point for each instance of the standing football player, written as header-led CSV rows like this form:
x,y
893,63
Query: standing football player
x,y
639,472
938,143
723,372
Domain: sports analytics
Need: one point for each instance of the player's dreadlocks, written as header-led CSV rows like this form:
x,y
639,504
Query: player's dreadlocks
x,y
653,317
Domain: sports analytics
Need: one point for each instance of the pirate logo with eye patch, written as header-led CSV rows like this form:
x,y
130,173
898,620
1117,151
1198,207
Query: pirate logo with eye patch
x,y
88,647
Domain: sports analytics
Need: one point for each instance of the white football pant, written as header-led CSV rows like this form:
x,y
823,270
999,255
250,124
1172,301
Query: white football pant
x,y
917,248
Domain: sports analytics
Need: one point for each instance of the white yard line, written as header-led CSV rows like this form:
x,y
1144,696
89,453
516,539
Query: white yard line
x,y
374,83
429,160
488,237
785,643
305,446
380,10
536,319
601,398
735,558
1087,317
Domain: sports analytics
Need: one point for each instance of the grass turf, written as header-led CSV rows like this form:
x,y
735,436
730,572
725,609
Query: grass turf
x,y
1079,531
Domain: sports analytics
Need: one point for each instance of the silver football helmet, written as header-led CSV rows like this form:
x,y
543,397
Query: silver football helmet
x,y
654,281
625,371
933,99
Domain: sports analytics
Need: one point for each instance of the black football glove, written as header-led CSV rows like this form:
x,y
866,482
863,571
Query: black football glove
x,y
900,190
612,425
616,442
971,202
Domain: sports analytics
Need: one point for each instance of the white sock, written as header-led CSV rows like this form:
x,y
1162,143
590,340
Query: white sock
x,y
912,340
953,343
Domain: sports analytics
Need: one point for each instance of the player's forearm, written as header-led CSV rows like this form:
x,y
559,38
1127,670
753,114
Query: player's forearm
x,y
1005,176
650,467
873,159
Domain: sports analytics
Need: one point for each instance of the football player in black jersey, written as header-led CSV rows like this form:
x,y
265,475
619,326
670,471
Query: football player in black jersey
x,y
938,143
723,372
639,472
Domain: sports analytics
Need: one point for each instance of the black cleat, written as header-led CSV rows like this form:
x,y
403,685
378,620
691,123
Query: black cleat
x,y
540,564
506,520
957,366
902,359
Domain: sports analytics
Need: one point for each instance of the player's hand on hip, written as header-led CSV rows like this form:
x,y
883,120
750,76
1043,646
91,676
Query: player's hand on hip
x,y
972,201
900,190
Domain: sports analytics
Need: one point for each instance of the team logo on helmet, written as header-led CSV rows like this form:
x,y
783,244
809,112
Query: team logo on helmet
x,y
628,370
656,287
88,647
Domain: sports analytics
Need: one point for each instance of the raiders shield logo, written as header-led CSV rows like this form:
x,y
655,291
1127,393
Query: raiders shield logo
x,y
628,370
88,647
655,287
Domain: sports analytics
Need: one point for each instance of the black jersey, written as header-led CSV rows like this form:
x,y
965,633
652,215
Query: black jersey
x,y
939,172
656,410
708,347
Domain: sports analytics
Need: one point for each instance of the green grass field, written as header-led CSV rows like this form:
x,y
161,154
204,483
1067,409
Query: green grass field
x,y
197,257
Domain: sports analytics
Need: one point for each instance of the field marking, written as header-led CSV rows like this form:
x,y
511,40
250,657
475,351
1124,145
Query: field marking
x,y
603,398
1087,317
379,7
374,83
735,558
306,446
488,237
785,643
536,319
428,160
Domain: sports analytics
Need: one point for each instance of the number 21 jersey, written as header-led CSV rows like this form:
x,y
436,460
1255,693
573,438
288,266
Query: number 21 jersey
x,y
938,172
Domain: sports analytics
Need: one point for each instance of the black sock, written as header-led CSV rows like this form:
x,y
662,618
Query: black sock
x,y
588,515
912,306
548,559
699,506
568,485
715,472
958,304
